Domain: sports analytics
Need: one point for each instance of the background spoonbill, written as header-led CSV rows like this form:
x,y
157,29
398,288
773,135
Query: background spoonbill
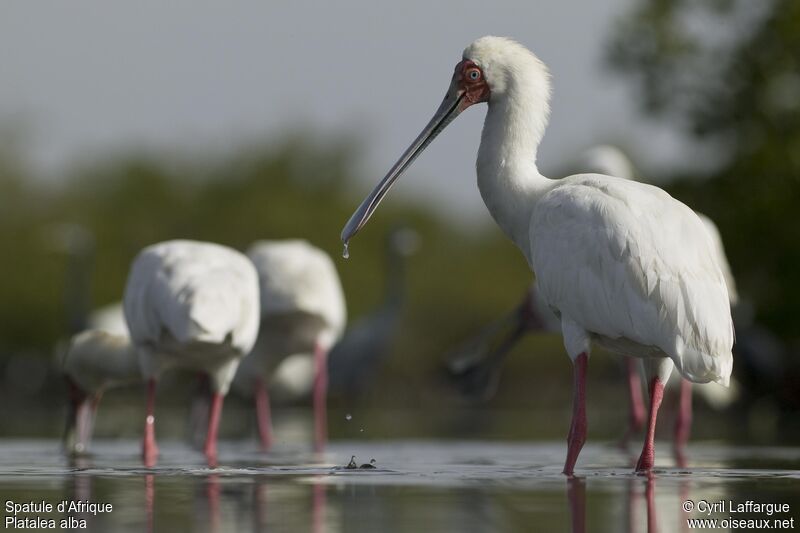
x,y
302,314
193,305
94,361
621,263
355,359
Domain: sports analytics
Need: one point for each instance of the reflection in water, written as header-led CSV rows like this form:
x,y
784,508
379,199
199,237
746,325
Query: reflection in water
x,y
319,504
576,497
149,502
212,498
419,486
650,496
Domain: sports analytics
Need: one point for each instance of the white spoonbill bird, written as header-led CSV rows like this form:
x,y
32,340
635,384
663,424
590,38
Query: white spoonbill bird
x,y
302,315
611,161
193,305
110,318
477,363
620,263
94,361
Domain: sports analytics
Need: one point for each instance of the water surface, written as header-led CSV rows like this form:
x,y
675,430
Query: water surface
x,y
432,486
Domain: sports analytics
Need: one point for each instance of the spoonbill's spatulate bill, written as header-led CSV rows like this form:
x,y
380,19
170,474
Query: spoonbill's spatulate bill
x,y
622,263
193,305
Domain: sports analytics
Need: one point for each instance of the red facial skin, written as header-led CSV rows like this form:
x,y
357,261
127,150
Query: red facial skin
x,y
472,82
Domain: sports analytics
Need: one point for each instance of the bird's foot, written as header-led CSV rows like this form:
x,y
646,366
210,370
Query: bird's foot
x,y
150,455
645,462
210,452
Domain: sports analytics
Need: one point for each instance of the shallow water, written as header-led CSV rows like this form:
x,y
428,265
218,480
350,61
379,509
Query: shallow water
x,y
418,486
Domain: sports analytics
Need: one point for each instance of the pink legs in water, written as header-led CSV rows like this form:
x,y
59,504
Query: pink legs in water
x,y
683,420
263,415
648,451
320,399
659,371
637,409
149,447
577,430
213,426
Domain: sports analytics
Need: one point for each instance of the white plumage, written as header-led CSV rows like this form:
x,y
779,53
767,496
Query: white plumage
x,y
626,264
92,362
96,360
611,161
296,276
302,315
193,305
110,318
619,262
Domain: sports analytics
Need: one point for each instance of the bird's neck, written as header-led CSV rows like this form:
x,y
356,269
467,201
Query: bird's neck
x,y
394,285
508,178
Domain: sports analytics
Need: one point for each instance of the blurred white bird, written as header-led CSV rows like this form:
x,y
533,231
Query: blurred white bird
x,y
620,263
193,305
477,363
302,315
110,318
94,361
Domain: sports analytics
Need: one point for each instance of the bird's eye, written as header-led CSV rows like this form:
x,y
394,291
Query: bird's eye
x,y
474,74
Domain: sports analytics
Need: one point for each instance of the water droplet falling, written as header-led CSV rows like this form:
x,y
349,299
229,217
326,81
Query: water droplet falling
x,y
346,251
348,416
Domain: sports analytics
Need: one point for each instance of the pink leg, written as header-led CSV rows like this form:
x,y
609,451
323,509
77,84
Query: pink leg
x,y
90,416
213,426
149,447
635,392
320,398
577,430
83,425
263,415
683,422
647,458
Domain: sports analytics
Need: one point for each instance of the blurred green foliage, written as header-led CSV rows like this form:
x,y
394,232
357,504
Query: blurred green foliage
x,y
299,188
728,73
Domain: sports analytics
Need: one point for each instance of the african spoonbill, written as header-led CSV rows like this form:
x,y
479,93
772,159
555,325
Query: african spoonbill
x,y
622,263
193,305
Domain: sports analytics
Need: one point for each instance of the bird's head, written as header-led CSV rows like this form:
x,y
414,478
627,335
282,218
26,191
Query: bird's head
x,y
489,71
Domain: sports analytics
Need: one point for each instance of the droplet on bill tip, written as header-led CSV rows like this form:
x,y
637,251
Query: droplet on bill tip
x,y
346,251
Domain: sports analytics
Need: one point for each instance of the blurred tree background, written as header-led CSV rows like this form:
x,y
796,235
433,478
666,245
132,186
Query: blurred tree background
x,y
301,187
727,72
724,71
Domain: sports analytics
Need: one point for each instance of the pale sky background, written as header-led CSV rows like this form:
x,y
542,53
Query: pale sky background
x,y
93,77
